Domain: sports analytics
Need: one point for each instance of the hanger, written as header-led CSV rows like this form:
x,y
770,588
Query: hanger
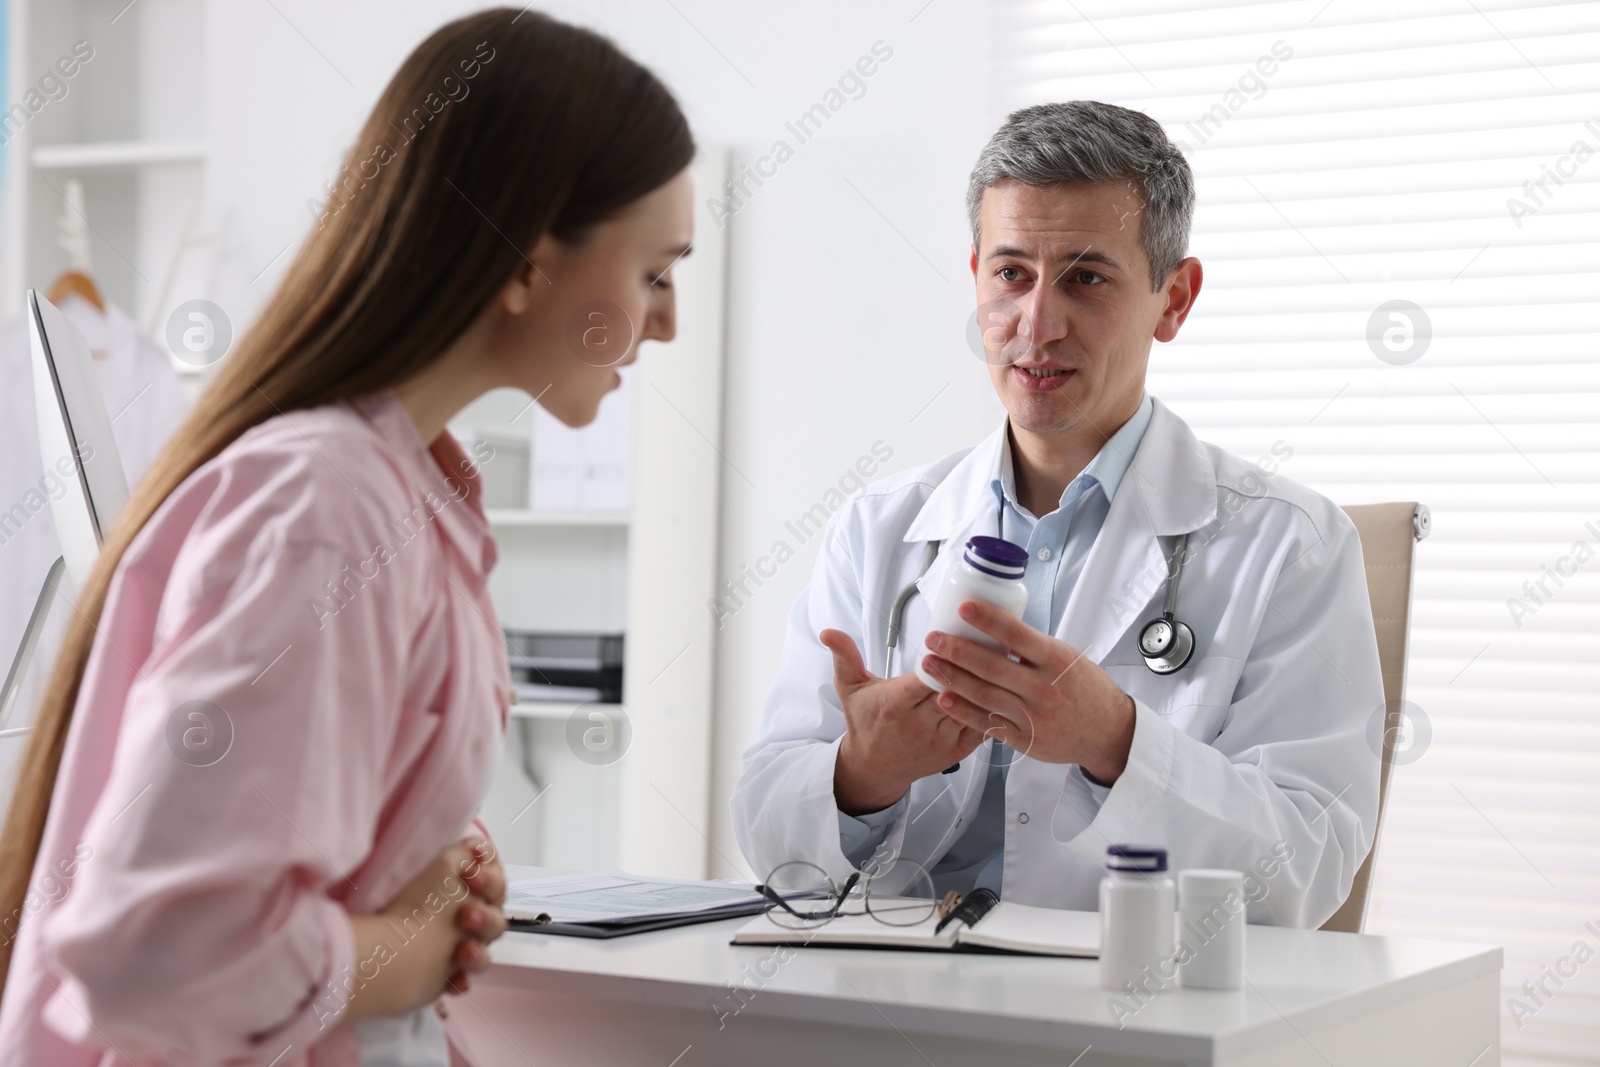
x,y
76,283
73,236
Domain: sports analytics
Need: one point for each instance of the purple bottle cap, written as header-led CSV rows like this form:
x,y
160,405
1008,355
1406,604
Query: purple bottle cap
x,y
996,557
1145,858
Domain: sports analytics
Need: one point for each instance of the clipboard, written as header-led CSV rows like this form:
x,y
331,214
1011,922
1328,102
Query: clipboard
x,y
622,929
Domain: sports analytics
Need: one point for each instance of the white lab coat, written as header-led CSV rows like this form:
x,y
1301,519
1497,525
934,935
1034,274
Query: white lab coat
x,y
1253,757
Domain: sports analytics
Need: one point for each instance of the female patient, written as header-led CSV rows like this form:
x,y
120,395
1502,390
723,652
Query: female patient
x,y
241,832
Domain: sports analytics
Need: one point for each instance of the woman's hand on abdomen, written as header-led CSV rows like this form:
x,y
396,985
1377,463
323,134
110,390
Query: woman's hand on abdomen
x,y
481,919
408,953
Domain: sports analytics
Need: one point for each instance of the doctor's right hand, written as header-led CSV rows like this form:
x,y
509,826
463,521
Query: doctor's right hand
x,y
894,732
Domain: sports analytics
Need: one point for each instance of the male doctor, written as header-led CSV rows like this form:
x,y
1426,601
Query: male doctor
x,y
1252,756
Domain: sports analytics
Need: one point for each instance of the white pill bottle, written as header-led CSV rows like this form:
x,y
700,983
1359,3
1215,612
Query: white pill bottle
x,y
990,571
1211,913
1137,915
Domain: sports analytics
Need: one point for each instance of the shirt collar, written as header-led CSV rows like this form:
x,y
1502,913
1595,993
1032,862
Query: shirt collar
x,y
442,477
1173,489
1107,469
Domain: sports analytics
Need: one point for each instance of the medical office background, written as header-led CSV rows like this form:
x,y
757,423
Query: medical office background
x,y
1399,216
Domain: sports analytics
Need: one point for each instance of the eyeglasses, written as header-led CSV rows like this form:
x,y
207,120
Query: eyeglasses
x,y
801,896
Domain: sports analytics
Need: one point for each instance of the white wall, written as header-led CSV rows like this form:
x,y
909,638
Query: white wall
x,y
843,322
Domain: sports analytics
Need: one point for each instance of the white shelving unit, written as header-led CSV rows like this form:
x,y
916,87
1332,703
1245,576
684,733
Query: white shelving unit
x,y
198,130
107,154
511,517
130,128
555,710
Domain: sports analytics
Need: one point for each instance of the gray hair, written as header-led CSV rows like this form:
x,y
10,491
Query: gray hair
x,y
1088,141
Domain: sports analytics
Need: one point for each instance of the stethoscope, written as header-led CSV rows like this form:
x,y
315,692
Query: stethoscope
x,y
1165,643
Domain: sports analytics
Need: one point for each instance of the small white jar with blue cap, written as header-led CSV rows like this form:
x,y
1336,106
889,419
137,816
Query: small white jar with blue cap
x,y
1137,917
990,571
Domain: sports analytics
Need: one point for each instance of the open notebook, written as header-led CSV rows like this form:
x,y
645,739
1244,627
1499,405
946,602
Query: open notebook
x,y
982,923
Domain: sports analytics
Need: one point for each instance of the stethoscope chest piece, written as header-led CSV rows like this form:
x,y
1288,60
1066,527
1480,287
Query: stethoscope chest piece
x,y
1166,644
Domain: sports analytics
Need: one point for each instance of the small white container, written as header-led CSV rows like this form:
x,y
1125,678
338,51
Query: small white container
x,y
1136,920
990,571
1211,919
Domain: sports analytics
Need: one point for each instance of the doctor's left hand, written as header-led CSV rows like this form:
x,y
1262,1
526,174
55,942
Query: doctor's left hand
x,y
1056,705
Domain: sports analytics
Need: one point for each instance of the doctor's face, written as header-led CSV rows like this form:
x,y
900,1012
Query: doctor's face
x,y
1065,303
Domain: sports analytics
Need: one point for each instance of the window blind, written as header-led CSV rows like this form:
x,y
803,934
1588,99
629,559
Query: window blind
x,y
1445,154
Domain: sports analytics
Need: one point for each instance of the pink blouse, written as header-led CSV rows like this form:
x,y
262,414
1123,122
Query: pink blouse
x,y
289,710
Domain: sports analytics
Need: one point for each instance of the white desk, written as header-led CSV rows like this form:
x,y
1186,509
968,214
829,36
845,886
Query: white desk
x,y
667,999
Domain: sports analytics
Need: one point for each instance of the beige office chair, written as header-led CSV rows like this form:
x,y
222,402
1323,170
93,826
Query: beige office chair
x,y
1389,535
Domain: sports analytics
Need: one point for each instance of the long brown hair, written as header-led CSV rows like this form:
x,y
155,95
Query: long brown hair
x,y
500,127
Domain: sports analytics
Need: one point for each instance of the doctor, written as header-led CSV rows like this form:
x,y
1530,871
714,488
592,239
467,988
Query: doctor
x,y
1252,755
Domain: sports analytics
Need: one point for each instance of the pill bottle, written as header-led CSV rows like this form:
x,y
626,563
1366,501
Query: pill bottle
x,y
991,571
1136,920
1211,909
